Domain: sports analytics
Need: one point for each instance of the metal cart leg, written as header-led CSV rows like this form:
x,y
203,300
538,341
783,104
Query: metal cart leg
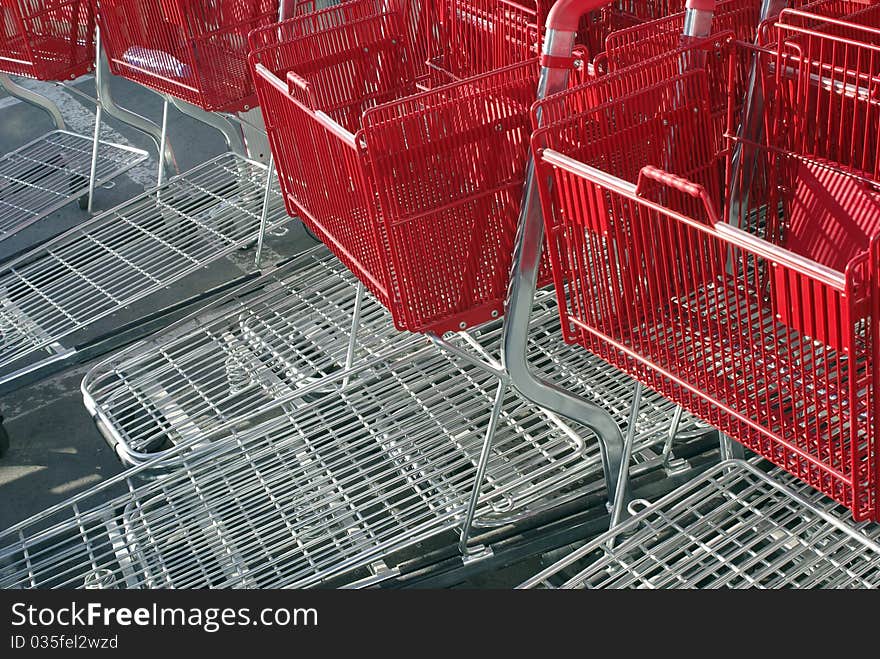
x,y
352,337
482,465
33,98
231,133
270,172
93,170
730,449
670,438
163,141
750,129
136,121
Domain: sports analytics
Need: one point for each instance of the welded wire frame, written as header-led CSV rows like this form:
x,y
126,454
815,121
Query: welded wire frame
x,y
824,78
310,492
129,252
237,357
248,353
732,527
194,50
51,171
47,39
763,343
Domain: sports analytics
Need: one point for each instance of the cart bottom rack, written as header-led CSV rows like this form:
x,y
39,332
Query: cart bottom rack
x,y
732,527
311,491
52,171
63,288
282,337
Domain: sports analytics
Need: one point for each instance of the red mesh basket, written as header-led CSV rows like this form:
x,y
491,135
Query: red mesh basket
x,y
417,192
469,37
740,321
195,50
47,39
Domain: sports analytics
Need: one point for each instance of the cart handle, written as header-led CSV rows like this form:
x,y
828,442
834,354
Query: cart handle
x,y
681,184
566,14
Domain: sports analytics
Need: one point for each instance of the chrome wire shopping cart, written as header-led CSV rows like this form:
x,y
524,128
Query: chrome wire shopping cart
x,y
51,40
324,487
745,298
732,527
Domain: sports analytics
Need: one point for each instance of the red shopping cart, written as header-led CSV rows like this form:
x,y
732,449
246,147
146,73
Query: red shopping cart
x,y
733,315
417,192
194,50
47,39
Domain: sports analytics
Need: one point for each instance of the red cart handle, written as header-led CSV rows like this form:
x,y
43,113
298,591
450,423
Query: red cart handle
x,y
566,14
681,184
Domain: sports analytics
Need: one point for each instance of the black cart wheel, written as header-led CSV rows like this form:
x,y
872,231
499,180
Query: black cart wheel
x,y
83,202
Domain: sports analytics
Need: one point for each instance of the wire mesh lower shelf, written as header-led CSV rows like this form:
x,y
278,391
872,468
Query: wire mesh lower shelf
x,y
732,527
264,342
127,253
310,493
286,333
52,171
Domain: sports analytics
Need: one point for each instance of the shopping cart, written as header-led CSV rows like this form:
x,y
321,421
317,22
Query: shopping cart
x,y
50,40
744,321
732,527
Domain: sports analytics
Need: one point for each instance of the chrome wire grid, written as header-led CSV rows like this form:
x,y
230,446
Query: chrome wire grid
x,y
319,489
50,172
732,527
236,358
129,252
252,351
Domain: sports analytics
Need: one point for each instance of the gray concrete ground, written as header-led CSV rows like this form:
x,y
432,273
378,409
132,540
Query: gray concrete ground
x,y
56,451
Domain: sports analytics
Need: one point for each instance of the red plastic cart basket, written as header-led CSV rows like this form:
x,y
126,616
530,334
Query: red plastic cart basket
x,y
47,39
417,192
194,50
738,316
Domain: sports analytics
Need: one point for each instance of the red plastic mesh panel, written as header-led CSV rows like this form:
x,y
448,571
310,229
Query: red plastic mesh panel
x,y
195,50
417,192
746,329
47,39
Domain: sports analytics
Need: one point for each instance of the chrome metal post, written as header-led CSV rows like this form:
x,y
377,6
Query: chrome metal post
x,y
136,121
264,216
730,449
33,98
93,170
670,437
523,282
750,130
352,336
163,140
482,465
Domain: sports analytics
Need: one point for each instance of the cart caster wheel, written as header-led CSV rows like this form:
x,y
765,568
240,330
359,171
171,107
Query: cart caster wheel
x,y
83,202
4,439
